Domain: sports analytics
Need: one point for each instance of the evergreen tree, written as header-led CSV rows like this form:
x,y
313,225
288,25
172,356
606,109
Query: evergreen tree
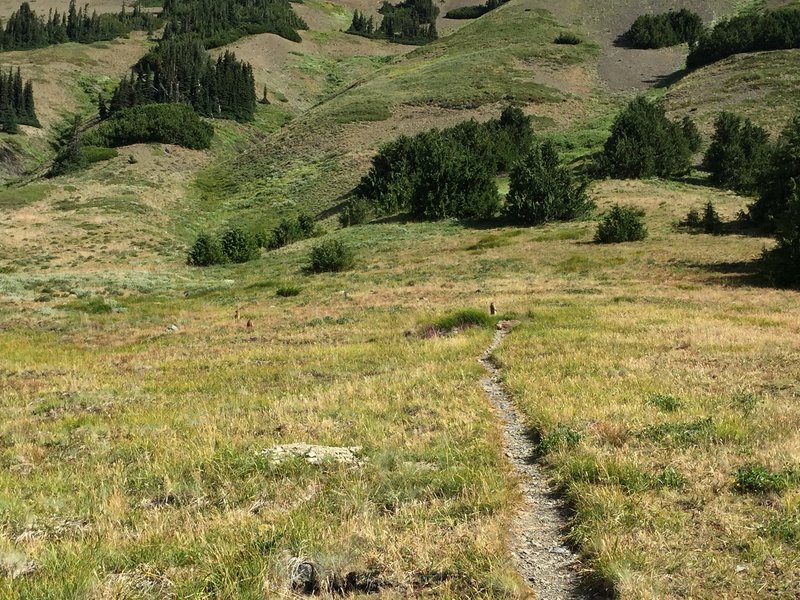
x,y
542,189
781,179
738,154
16,101
644,143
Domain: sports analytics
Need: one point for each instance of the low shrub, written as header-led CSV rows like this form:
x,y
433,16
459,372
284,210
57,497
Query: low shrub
x,y
738,155
757,479
664,30
238,245
711,223
692,220
621,224
558,438
462,319
206,251
175,124
94,154
331,256
467,12
290,231
288,291
568,38
645,143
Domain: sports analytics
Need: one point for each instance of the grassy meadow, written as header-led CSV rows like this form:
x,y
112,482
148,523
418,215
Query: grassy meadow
x,y
659,378
652,372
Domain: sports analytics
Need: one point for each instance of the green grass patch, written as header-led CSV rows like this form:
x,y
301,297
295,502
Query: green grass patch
x,y
19,197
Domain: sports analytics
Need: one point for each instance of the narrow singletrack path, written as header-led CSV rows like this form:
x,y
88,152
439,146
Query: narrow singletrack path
x,y
537,549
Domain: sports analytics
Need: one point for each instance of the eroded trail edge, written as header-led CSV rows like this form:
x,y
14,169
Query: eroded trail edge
x,y
535,539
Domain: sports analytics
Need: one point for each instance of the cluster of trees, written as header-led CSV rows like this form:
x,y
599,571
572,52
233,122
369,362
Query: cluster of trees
x,y
220,22
409,22
235,245
238,245
288,232
666,29
25,29
447,173
750,32
473,11
180,70
645,143
16,102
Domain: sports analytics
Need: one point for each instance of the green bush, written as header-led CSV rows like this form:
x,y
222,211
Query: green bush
x,y
462,319
749,32
206,251
290,231
93,154
711,223
288,291
644,143
665,402
467,12
543,189
357,211
693,220
758,479
239,246
163,123
621,224
664,30
452,184
331,256
568,38
783,262
738,154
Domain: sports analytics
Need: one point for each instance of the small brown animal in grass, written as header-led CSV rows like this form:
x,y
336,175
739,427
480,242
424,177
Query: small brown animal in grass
x,y
492,309
237,315
249,323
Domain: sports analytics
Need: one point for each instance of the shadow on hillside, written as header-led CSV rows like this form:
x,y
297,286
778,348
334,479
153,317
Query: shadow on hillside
x,y
734,227
334,210
405,218
665,81
740,273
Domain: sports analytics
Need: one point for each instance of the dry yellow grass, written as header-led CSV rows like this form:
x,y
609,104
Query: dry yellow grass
x,y
175,421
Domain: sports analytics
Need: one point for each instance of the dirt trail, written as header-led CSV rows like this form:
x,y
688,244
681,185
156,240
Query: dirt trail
x,y
537,549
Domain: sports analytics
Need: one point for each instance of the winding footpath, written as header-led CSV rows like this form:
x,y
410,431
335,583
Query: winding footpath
x,y
549,567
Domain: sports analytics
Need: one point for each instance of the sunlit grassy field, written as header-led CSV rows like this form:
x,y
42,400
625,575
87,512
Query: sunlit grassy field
x,y
132,454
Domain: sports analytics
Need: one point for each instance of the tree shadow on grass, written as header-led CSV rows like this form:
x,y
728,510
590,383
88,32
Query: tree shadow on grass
x,y
738,273
668,80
